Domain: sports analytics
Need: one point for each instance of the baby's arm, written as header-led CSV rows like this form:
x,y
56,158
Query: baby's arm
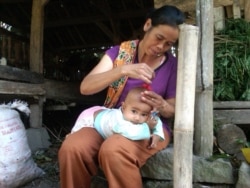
x,y
155,125
157,133
151,123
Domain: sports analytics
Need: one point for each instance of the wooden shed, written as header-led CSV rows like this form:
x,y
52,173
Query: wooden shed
x,y
39,35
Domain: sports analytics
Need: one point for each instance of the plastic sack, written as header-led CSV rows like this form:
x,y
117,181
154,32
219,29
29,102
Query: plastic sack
x,y
17,166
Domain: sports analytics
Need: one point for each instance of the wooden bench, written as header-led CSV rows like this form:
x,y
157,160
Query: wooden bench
x,y
25,85
236,112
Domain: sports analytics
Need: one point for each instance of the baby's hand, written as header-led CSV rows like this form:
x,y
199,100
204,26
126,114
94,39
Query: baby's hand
x,y
151,123
154,141
152,120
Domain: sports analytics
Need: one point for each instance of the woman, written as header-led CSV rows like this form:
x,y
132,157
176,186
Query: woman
x,y
131,64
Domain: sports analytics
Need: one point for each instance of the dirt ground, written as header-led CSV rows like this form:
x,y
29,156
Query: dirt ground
x,y
58,125
48,162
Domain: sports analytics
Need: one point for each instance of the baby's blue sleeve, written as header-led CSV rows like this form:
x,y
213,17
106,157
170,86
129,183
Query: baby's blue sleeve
x,y
158,130
132,131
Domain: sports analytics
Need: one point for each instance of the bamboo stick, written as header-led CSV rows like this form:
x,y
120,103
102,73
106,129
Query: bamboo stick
x,y
185,100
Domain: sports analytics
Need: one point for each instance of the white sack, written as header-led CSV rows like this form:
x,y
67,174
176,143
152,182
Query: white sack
x,y
16,163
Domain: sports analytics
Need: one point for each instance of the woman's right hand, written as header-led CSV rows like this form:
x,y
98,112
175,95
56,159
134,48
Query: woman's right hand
x,y
104,74
139,71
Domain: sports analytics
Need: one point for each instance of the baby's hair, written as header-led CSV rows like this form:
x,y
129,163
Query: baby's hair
x,y
135,91
134,95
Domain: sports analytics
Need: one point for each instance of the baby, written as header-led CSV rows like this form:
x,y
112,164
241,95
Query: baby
x,y
133,120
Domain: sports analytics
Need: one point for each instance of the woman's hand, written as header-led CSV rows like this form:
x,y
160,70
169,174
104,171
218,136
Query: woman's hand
x,y
166,107
104,74
139,71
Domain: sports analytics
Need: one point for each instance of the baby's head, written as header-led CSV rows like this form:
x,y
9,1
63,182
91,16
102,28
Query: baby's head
x,y
134,109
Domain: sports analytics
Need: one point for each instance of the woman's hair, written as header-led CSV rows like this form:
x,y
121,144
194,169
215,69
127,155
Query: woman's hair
x,y
166,15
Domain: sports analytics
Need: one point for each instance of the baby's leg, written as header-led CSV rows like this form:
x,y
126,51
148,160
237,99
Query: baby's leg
x,y
86,118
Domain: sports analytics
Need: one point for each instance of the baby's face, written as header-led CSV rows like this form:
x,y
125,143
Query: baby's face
x,y
137,113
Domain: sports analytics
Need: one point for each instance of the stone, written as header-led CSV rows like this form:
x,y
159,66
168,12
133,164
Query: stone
x,y
160,167
243,176
38,138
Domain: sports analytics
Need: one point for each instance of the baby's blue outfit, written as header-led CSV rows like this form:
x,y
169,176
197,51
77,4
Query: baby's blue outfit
x,y
110,121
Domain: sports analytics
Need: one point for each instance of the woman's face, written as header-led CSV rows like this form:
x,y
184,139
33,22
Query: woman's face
x,y
157,40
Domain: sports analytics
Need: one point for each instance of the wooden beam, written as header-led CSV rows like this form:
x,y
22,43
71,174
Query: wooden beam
x,y
204,81
70,91
96,18
51,89
17,88
247,10
36,36
237,116
13,73
189,5
85,46
14,1
105,29
83,41
231,104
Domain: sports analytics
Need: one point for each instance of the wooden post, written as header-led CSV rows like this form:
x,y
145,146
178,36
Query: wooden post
x,y
204,81
9,46
36,119
36,36
184,110
4,46
219,18
236,10
247,10
17,52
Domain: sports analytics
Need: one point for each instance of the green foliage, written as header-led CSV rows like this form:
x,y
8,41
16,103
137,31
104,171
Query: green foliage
x,y
232,62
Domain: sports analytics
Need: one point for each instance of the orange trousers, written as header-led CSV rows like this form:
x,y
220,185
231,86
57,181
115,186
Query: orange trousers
x,y
120,159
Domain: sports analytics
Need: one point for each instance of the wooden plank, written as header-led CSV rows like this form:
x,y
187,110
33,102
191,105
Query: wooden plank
x,y
233,116
70,91
231,104
13,73
17,88
51,89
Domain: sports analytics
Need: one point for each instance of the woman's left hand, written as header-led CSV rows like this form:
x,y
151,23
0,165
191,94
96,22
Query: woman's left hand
x,y
153,99
166,108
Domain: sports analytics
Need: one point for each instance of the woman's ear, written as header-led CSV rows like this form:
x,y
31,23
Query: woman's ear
x,y
147,25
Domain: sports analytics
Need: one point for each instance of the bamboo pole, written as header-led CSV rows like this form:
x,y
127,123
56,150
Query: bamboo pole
x,y
184,110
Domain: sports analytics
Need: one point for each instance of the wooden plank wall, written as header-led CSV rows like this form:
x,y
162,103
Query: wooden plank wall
x,y
236,112
235,10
